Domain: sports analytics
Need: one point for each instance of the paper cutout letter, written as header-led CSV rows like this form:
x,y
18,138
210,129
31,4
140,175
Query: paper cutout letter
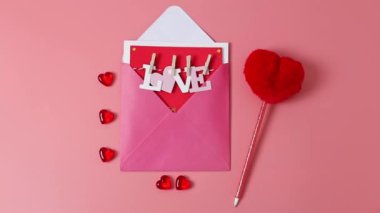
x,y
148,84
198,79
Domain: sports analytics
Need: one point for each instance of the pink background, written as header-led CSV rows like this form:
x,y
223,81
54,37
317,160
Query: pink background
x,y
320,150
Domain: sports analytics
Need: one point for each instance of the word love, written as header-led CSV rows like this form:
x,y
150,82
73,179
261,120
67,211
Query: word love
x,y
166,81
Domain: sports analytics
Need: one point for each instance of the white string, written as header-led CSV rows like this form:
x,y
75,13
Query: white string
x,y
141,68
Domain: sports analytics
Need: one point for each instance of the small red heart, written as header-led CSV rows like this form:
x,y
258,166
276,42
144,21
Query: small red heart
x,y
271,77
107,154
182,183
106,116
165,182
106,78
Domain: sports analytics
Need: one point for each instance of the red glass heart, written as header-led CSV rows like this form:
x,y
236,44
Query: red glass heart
x,y
183,183
106,116
106,78
107,154
271,77
165,182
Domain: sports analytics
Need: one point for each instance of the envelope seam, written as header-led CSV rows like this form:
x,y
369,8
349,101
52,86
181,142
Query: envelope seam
x,y
146,137
200,136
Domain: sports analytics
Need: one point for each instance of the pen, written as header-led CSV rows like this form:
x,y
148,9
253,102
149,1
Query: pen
x,y
250,154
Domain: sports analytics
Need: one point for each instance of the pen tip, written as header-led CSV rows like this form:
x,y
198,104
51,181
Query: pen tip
x,y
236,201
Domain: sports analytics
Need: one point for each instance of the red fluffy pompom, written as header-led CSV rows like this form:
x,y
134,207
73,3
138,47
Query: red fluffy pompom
x,y
271,77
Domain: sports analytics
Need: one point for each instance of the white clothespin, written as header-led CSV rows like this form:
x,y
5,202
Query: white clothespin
x,y
188,65
174,58
205,70
151,65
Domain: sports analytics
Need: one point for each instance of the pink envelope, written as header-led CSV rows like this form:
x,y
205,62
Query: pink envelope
x,y
195,138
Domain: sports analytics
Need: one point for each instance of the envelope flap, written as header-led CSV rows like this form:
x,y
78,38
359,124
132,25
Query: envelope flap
x,y
174,25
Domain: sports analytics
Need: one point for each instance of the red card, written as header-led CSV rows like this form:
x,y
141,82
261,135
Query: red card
x,y
142,55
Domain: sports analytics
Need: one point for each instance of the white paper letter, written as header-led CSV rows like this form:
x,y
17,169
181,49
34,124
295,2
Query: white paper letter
x,y
196,80
152,81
